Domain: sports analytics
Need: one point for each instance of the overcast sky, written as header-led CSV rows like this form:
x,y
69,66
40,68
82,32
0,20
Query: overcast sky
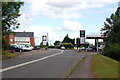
x,y
61,17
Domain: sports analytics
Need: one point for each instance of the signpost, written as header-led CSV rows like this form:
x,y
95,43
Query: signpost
x,y
44,40
82,37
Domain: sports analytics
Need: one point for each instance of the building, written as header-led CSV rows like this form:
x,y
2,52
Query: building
x,y
21,37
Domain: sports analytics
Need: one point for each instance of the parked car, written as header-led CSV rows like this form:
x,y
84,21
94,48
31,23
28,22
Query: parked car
x,y
32,47
36,47
25,47
29,46
63,48
83,48
89,49
16,48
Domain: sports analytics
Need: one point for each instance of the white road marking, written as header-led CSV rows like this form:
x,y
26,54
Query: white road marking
x,y
29,62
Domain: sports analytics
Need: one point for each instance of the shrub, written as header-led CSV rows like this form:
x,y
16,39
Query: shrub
x,y
68,45
51,47
112,51
5,44
58,47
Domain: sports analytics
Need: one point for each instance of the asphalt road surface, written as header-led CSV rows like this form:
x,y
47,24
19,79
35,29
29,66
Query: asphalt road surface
x,y
54,64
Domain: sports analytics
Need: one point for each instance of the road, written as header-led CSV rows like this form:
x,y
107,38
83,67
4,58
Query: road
x,y
56,66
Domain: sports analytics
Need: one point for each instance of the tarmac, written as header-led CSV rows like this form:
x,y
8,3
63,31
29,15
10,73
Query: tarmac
x,y
84,69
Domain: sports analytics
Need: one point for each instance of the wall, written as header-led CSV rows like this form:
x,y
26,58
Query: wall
x,y
32,41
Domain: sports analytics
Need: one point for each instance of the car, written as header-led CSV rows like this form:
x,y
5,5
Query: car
x,y
29,46
63,48
16,48
83,48
89,49
32,47
25,47
94,48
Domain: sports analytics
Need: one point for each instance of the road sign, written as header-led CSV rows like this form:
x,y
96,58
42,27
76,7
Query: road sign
x,y
82,33
82,37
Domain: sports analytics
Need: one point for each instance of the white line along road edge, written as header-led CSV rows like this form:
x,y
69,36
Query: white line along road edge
x,y
29,62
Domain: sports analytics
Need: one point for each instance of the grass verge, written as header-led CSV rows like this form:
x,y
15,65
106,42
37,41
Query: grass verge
x,y
73,70
104,67
6,55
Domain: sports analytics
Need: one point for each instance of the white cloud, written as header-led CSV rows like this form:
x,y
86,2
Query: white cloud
x,y
64,8
71,25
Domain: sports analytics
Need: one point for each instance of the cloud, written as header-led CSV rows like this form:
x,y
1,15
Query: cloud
x,y
71,25
64,8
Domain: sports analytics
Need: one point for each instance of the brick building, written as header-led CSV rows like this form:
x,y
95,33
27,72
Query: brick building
x,y
21,37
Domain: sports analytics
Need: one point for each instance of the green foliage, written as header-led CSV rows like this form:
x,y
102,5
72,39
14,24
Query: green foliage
x,y
78,42
113,51
68,40
112,31
51,46
68,45
57,43
5,44
87,44
10,12
58,47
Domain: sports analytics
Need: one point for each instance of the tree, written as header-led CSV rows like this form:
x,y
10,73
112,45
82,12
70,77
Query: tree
x,y
112,32
68,45
87,44
112,28
78,42
68,40
57,43
10,12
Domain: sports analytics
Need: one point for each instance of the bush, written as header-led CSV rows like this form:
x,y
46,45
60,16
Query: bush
x,y
51,47
68,45
112,51
5,44
58,47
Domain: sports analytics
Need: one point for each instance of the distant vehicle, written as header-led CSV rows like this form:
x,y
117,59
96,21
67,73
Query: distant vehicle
x,y
89,49
36,47
16,48
83,48
94,48
63,48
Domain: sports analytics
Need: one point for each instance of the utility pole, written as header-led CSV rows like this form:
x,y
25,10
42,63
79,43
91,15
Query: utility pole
x,y
47,39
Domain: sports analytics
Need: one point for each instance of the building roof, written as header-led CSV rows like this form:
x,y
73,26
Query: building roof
x,y
95,37
24,34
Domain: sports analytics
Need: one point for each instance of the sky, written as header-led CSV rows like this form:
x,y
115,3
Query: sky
x,y
61,17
